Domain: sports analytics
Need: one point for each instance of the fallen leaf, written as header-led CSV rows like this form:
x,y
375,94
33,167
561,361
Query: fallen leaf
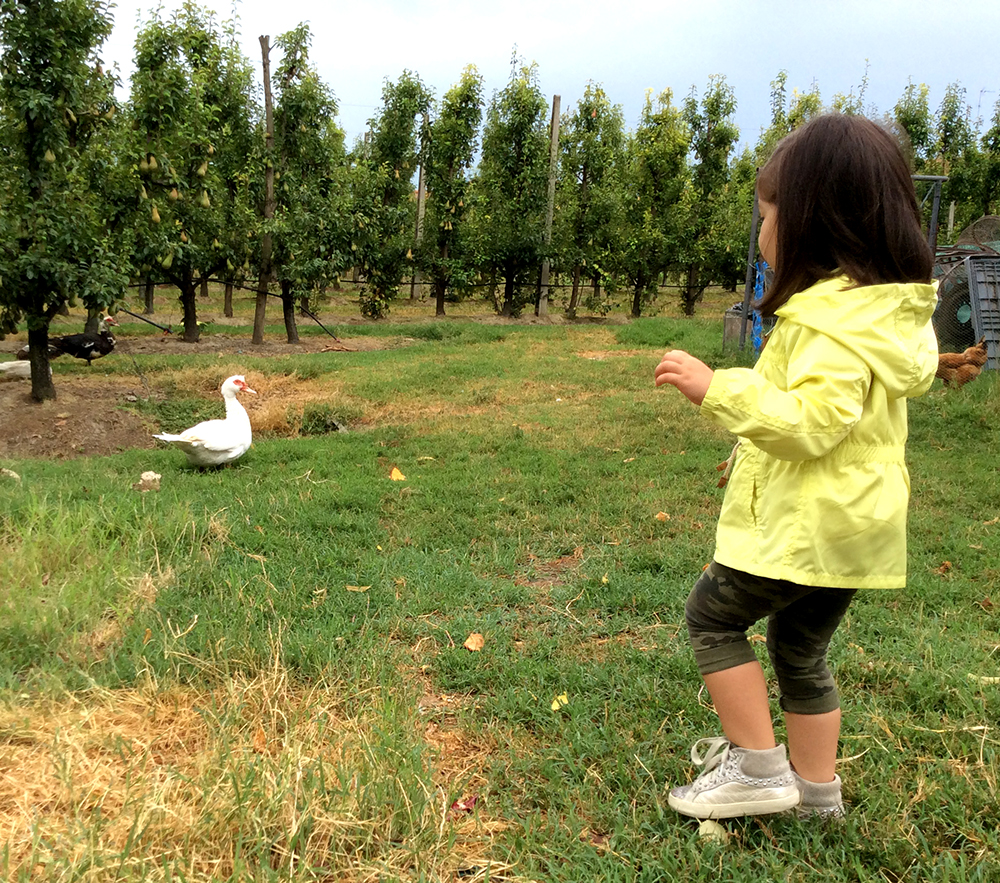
x,y
475,642
357,588
463,805
628,460
604,579
595,839
560,700
662,516
986,604
943,569
421,459
147,637
396,475
983,679
259,740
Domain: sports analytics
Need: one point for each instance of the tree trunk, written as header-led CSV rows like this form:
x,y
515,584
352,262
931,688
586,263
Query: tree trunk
x,y
288,311
692,290
204,286
440,284
93,321
189,294
150,307
227,301
304,305
640,285
597,289
574,298
508,294
493,289
42,388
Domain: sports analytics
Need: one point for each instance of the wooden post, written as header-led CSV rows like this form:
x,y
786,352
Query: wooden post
x,y
543,295
269,203
418,233
751,279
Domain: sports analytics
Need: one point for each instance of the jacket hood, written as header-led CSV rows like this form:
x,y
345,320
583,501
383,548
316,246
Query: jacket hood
x,y
889,326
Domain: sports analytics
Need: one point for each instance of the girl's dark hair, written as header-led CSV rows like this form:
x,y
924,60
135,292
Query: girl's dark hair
x,y
845,206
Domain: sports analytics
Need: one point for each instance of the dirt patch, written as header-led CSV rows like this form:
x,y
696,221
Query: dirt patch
x,y
87,418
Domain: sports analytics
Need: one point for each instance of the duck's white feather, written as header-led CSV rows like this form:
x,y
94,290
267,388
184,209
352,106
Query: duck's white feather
x,y
216,442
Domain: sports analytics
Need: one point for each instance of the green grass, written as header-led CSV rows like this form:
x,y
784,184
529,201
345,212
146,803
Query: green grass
x,y
297,621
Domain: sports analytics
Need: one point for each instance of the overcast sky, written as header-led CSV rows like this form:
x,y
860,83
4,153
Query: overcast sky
x,y
628,47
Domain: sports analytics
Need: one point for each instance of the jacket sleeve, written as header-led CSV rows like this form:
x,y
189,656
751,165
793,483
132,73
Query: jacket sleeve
x,y
827,385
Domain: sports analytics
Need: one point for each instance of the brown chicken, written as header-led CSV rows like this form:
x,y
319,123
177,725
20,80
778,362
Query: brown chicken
x,y
957,369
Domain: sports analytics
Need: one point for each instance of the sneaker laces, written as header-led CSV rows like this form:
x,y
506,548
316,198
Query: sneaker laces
x,y
716,753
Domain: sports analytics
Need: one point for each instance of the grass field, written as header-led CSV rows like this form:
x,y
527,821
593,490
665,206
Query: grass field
x,y
261,673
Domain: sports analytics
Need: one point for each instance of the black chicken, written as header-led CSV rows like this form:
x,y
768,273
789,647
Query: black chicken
x,y
88,345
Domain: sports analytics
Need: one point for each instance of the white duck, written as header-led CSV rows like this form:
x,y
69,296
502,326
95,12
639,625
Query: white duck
x,y
15,370
215,442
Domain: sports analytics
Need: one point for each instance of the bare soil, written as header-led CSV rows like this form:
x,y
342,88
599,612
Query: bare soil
x,y
86,418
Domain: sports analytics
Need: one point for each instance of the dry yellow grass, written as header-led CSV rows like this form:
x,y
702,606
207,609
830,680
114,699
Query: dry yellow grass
x,y
214,782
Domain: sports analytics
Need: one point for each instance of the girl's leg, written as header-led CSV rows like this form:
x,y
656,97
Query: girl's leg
x,y
740,698
745,773
812,744
798,637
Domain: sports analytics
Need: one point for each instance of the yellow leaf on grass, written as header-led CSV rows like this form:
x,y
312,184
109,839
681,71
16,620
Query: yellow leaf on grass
x,y
475,642
260,740
147,637
560,700
604,579
357,588
662,516
983,679
396,475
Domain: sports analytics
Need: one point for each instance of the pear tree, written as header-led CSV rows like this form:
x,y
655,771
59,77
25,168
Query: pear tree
x,y
443,252
193,115
590,194
511,188
384,208
311,228
57,131
656,177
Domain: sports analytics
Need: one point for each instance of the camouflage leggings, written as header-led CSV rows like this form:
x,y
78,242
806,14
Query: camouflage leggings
x,y
724,603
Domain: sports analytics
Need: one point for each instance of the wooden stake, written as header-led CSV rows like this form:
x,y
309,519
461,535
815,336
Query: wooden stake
x,y
543,295
269,202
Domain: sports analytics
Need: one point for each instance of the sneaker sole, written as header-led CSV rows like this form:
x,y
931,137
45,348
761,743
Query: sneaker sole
x,y
756,807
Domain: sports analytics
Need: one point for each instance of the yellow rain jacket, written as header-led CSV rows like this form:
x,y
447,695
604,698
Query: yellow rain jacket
x,y
819,487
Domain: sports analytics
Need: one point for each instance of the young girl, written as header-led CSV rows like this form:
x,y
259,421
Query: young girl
x,y
815,508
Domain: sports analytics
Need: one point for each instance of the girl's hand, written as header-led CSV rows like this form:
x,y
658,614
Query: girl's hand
x,y
690,375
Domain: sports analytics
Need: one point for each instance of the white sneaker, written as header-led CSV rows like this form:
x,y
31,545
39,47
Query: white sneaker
x,y
736,782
